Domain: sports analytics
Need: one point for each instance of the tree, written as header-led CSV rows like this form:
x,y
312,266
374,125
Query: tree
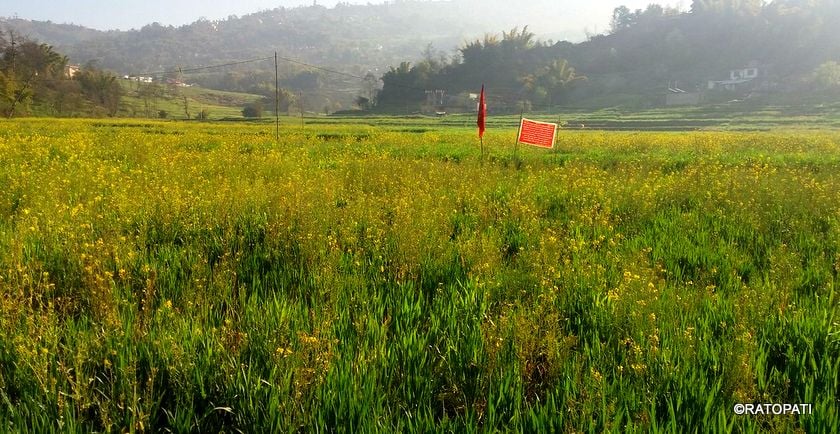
x,y
518,40
66,97
253,110
402,87
102,88
369,84
14,93
25,69
150,93
550,80
362,102
827,76
286,102
186,108
622,19
729,7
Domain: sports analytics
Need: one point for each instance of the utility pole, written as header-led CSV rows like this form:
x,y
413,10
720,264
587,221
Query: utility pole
x,y
14,52
276,100
300,99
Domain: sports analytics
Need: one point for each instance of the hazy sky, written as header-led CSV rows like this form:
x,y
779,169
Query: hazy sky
x,y
570,15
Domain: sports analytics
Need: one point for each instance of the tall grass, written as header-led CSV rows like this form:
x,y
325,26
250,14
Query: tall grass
x,y
202,278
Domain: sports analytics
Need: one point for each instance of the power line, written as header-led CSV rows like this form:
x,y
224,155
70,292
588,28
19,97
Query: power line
x,y
203,68
346,74
503,98
298,62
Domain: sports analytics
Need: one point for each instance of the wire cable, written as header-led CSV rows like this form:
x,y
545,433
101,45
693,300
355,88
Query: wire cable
x,y
203,68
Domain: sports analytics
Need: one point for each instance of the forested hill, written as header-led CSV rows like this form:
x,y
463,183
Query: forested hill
x,y
356,37
786,40
719,50
791,45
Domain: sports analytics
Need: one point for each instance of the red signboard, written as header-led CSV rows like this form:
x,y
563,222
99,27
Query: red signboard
x,y
535,133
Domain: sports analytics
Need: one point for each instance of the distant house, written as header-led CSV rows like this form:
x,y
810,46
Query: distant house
x,y
139,79
683,98
676,96
741,78
176,82
70,71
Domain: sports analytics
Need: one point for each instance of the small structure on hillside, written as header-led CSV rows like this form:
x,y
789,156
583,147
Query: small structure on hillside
x,y
677,96
70,71
139,79
744,78
177,82
683,98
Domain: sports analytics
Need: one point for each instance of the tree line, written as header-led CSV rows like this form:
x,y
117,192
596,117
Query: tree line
x,y
645,52
522,72
793,42
37,80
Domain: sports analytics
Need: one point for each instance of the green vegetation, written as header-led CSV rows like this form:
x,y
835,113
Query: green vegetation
x,y
203,277
520,69
827,77
789,45
150,99
34,80
736,115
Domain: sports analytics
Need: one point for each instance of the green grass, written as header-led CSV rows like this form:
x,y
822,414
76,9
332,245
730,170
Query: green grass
x,y
203,277
733,116
218,104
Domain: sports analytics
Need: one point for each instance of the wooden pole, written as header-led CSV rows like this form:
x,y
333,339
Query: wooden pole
x,y
518,132
300,99
276,100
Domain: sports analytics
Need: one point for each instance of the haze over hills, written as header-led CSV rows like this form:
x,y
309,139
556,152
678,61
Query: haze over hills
x,y
360,37
785,46
356,37
548,18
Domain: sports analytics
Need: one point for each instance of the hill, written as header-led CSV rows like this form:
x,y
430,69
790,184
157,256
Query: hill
x,y
354,39
718,51
721,50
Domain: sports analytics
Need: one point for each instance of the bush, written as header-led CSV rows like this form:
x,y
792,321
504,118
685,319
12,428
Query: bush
x,y
254,110
827,76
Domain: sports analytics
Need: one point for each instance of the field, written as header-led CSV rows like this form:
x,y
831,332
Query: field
x,y
203,277
216,103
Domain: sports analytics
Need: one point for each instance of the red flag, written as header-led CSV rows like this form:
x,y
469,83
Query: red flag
x,y
482,113
535,133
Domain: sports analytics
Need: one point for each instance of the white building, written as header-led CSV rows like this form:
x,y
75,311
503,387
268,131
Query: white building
x,y
737,78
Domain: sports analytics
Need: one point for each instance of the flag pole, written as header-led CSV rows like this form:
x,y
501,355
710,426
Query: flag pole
x,y
482,117
276,101
518,132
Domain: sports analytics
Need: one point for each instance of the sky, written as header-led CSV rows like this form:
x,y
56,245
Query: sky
x,y
570,15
